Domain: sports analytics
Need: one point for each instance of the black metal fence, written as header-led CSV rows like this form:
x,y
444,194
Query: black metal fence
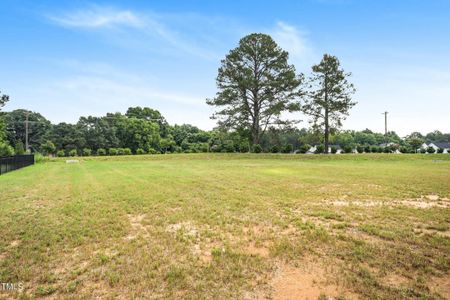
x,y
11,163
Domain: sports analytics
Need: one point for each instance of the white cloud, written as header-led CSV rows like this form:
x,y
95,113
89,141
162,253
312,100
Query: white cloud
x,y
144,29
97,17
296,43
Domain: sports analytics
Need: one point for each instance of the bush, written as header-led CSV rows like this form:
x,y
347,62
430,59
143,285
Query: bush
x,y
359,149
404,149
319,149
101,152
304,148
61,153
120,151
274,149
348,149
228,146
6,150
127,151
431,150
140,151
19,149
112,151
257,148
386,150
153,151
48,148
87,152
73,152
440,150
423,150
244,147
334,149
374,149
288,148
367,149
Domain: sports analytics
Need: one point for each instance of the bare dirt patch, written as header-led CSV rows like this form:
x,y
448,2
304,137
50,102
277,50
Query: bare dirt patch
x,y
441,285
308,281
255,250
429,201
137,227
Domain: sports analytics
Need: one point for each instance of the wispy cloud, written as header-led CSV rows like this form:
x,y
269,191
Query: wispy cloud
x,y
295,41
145,29
97,17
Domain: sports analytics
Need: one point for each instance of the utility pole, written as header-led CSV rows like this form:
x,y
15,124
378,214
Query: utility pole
x,y
26,132
385,126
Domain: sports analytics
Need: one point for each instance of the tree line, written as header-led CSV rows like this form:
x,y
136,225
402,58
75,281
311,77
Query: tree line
x,y
145,130
257,88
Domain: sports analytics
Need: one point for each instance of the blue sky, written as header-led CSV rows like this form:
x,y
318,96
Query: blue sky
x,y
66,59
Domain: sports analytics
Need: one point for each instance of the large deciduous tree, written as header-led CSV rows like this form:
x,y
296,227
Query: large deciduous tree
x,y
256,85
330,97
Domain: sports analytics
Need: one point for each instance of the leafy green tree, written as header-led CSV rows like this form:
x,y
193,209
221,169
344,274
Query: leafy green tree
x,y
48,148
3,99
39,128
151,115
6,149
67,137
256,85
330,98
415,140
19,148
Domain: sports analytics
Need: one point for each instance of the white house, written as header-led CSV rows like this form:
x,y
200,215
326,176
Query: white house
x,y
313,149
440,145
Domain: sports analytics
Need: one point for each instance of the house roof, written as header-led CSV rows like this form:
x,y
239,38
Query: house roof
x,y
442,145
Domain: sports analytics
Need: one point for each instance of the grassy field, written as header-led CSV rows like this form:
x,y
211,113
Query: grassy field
x,y
229,226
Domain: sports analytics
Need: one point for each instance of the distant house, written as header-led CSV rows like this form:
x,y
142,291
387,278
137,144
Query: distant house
x,y
440,145
313,149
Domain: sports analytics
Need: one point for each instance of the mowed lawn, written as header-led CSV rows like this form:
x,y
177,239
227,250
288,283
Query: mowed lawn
x,y
221,226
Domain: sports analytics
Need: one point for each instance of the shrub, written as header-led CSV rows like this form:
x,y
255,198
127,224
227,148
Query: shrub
x,y
112,151
274,149
431,150
5,149
19,149
423,150
334,149
228,146
127,151
304,148
288,148
73,152
244,147
440,150
319,149
61,153
140,151
257,148
101,152
386,150
153,151
347,149
404,149
87,152
367,149
120,151
374,149
359,149
48,148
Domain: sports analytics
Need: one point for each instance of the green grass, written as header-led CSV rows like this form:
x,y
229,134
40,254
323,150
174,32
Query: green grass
x,y
180,226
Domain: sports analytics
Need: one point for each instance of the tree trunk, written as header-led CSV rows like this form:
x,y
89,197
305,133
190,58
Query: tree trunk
x,y
327,125
327,132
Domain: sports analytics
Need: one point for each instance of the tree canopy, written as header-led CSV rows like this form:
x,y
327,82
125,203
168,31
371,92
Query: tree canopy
x,y
329,99
256,84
